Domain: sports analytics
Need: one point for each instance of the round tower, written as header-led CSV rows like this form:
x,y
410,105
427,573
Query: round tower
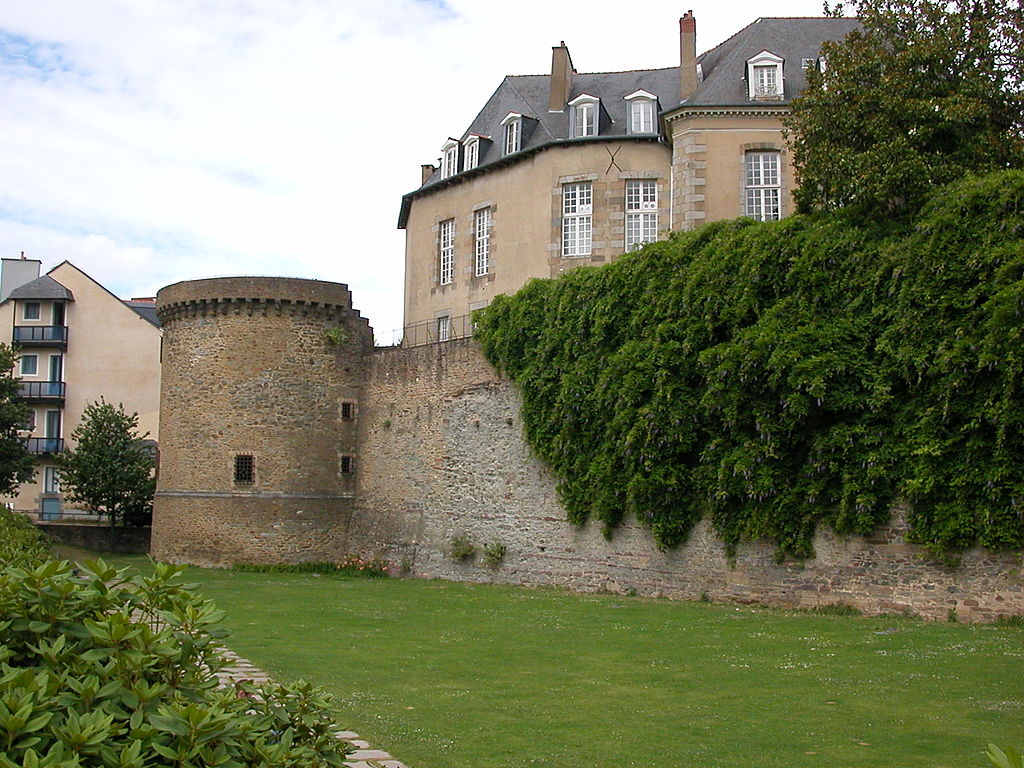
x,y
259,397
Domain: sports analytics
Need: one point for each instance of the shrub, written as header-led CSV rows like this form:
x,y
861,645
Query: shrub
x,y
350,565
109,670
461,549
494,553
21,543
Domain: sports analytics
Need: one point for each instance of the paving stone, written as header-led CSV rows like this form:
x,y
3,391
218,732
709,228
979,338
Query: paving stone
x,y
359,743
370,754
346,735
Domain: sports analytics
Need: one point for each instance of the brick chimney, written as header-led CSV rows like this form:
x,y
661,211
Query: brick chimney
x,y
561,78
426,171
687,56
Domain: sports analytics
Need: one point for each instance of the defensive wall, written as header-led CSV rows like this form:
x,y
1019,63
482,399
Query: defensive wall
x,y
437,442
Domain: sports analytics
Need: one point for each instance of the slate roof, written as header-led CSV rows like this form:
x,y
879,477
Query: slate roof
x,y
43,288
724,84
792,39
144,309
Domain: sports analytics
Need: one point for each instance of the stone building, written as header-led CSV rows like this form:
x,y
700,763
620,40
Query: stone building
x,y
563,169
77,343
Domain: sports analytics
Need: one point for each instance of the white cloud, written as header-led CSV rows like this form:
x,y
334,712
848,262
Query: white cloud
x,y
175,139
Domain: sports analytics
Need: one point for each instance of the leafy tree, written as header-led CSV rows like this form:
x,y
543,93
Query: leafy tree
x,y
926,92
15,460
110,470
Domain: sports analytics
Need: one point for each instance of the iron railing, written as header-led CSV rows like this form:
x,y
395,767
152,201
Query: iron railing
x,y
445,328
44,444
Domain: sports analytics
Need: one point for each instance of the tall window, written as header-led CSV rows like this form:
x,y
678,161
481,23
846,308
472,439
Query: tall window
x,y
763,189
482,242
583,118
577,210
245,469
641,113
446,252
471,153
449,160
513,136
444,328
641,213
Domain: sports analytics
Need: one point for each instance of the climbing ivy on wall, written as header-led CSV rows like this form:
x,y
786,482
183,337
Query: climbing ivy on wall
x,y
776,376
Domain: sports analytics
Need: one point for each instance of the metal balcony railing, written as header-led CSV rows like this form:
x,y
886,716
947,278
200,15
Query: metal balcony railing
x,y
44,444
438,329
41,335
41,390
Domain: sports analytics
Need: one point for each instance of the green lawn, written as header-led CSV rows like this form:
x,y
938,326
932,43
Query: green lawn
x,y
447,675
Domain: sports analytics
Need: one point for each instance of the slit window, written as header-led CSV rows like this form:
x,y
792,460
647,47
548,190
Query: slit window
x,y
348,465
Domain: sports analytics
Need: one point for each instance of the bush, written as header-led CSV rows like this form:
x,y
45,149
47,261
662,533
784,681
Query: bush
x,y
350,565
104,669
21,543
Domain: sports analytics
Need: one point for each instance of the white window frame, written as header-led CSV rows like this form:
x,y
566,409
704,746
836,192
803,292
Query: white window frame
x,y
471,153
482,242
449,158
446,252
35,315
762,187
642,112
641,212
577,219
513,124
444,327
585,116
764,76
51,480
24,367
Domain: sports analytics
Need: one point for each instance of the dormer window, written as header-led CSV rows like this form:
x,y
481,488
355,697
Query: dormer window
x,y
471,153
449,158
513,124
764,76
641,111
583,116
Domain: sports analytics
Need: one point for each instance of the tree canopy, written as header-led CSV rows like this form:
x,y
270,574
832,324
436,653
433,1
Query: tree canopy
x,y
110,469
924,93
15,460
774,376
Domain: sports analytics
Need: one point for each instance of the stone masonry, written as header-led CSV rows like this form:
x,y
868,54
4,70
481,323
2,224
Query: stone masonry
x,y
434,435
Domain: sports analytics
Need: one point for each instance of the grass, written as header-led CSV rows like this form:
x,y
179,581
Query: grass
x,y
447,675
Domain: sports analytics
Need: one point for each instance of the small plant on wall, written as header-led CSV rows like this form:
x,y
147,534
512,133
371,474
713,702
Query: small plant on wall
x,y
335,336
494,553
461,549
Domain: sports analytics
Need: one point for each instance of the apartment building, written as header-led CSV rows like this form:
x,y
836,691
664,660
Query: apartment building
x,y
564,169
77,342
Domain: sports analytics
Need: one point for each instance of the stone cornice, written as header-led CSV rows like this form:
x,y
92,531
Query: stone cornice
x,y
735,110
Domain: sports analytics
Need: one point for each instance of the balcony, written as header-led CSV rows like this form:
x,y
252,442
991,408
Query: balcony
x,y
41,445
42,391
41,336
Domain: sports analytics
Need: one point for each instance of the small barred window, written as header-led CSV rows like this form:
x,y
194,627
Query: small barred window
x,y
245,469
348,465
348,411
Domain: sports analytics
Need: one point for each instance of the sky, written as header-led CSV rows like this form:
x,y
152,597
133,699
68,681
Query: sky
x,y
152,141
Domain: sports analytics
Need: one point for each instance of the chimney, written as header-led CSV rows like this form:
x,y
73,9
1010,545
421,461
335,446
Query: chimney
x,y
687,56
426,171
561,78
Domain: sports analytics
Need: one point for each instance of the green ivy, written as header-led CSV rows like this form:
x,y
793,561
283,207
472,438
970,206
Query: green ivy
x,y
776,376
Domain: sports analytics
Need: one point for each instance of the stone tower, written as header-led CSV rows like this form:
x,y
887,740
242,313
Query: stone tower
x,y
258,409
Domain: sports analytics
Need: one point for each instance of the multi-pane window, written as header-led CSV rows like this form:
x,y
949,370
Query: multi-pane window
x,y
471,156
444,328
245,469
513,136
348,465
585,119
763,187
641,213
446,252
766,80
450,161
348,411
577,210
481,242
641,116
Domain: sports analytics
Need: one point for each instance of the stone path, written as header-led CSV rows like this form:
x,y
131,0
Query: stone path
x,y
363,756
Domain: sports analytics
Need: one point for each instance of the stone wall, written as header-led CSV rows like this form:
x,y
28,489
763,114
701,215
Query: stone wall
x,y
99,538
442,456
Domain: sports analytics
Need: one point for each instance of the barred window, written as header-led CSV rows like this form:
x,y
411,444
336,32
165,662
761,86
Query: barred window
x,y
763,188
641,213
348,411
577,211
348,465
446,252
482,243
245,469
